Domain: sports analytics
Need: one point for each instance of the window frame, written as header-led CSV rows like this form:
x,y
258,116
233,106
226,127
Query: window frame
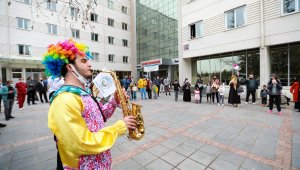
x,y
125,59
125,43
297,8
51,28
95,54
23,23
110,4
124,10
23,1
124,25
76,31
201,29
112,40
113,58
95,37
25,50
74,12
110,22
50,4
235,17
95,16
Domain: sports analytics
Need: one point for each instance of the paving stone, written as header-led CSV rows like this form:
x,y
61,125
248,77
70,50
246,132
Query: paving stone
x,y
24,154
158,150
211,150
158,164
224,165
144,158
251,164
190,164
194,144
231,158
202,157
184,150
129,164
173,158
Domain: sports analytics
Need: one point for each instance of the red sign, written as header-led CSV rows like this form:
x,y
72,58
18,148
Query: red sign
x,y
144,63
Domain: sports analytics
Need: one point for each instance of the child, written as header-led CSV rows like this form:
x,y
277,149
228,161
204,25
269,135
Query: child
x,y
154,90
221,92
208,92
197,95
129,93
134,90
264,95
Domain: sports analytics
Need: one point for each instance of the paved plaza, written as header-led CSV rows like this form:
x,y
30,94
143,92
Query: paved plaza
x,y
179,135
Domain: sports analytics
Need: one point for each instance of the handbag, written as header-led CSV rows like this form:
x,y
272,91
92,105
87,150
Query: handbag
x,y
240,89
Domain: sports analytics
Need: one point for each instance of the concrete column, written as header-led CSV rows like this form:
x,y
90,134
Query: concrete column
x,y
170,72
265,66
185,70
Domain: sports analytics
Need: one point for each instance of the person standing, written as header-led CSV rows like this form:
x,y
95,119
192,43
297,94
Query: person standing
x,y
234,97
162,87
251,86
264,95
8,95
157,83
21,92
214,89
31,91
176,89
208,92
167,86
149,88
186,90
295,91
274,87
0,95
75,117
41,89
142,83
199,83
222,93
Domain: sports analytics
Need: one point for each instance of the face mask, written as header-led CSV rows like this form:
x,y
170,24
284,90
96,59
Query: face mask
x,y
78,76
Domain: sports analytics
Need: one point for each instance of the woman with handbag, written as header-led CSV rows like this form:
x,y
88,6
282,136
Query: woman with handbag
x,y
234,92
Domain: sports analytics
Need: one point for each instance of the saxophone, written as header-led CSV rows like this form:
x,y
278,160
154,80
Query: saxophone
x,y
134,110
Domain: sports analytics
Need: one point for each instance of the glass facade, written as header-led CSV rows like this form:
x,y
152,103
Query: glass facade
x,y
285,62
221,65
157,35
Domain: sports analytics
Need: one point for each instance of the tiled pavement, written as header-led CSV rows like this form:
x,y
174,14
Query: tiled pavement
x,y
179,135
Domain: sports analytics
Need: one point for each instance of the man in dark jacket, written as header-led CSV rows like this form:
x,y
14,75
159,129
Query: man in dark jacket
x,y
275,87
199,83
31,91
42,90
157,83
252,86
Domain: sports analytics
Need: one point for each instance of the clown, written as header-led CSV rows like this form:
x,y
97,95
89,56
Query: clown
x,y
75,117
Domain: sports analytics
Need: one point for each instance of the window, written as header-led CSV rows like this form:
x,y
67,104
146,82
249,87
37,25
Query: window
x,y
23,23
94,37
111,57
51,5
111,40
75,33
95,56
155,34
52,29
110,4
144,31
110,22
94,17
124,10
125,59
24,49
124,26
125,43
196,30
290,6
24,1
235,18
74,12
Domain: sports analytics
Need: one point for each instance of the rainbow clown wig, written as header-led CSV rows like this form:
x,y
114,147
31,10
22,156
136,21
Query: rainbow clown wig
x,y
63,53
